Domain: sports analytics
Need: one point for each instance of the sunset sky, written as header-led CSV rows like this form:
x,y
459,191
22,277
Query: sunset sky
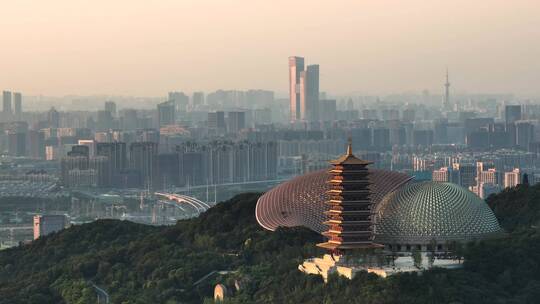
x,y
146,48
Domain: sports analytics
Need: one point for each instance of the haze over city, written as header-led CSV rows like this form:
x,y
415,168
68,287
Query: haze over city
x,y
287,152
139,48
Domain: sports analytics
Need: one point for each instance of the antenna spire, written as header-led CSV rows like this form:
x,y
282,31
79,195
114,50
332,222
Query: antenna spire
x,y
349,147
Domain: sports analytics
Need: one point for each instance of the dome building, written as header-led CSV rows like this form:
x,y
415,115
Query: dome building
x,y
420,214
409,215
367,209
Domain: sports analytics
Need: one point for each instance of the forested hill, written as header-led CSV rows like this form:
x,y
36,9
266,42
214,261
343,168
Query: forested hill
x,y
517,208
144,264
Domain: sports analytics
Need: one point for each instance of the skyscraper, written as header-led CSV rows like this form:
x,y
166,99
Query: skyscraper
x,y
129,119
16,143
104,120
142,158
53,118
101,169
74,165
168,167
36,144
236,121
422,137
296,66
466,175
91,144
180,101
110,106
198,99
47,224
166,113
6,98
309,93
17,100
524,134
116,153
216,121
512,113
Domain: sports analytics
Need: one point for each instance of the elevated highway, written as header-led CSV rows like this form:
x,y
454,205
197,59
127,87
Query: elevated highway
x,y
184,200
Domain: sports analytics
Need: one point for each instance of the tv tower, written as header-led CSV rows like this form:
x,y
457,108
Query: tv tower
x,y
446,101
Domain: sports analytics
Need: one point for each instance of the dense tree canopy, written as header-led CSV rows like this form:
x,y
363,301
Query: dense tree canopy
x,y
143,264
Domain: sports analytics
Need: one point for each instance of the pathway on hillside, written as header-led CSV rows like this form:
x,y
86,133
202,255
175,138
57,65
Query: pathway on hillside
x,y
212,273
102,295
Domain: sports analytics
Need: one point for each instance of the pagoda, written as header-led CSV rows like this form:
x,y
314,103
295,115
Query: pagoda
x,y
350,211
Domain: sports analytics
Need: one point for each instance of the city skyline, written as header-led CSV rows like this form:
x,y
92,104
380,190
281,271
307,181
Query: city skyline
x,y
141,50
164,152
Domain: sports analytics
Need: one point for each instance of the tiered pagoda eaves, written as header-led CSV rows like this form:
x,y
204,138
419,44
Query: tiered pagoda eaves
x,y
349,221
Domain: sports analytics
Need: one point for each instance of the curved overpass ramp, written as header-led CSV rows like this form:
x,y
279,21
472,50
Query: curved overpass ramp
x,y
184,200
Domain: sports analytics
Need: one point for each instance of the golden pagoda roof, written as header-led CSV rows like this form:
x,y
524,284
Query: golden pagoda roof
x,y
349,158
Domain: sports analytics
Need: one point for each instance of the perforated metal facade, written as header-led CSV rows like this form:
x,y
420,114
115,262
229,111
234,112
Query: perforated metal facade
x,y
300,201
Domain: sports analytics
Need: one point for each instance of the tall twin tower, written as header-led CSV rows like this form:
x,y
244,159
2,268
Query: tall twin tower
x,y
303,90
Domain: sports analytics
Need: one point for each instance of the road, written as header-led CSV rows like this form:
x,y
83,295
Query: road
x,y
102,295
15,227
184,189
222,272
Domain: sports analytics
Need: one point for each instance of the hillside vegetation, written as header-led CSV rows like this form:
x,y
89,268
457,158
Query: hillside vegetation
x,y
144,264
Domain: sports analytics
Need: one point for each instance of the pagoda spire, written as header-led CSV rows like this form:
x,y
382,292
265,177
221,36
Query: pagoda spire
x,y
349,147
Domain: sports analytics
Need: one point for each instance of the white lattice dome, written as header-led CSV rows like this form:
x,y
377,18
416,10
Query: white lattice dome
x,y
419,213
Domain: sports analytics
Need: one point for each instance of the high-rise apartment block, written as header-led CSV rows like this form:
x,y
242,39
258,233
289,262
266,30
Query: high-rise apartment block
x,y
53,118
47,224
6,102
166,113
142,158
466,175
17,143
512,178
524,134
197,99
180,101
216,122
327,109
104,120
512,113
17,102
110,106
129,119
116,155
91,144
236,121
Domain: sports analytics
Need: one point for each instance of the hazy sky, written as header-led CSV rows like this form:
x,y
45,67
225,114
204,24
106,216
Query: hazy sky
x,y
146,48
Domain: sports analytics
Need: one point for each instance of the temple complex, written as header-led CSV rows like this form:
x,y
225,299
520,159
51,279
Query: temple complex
x,y
377,221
